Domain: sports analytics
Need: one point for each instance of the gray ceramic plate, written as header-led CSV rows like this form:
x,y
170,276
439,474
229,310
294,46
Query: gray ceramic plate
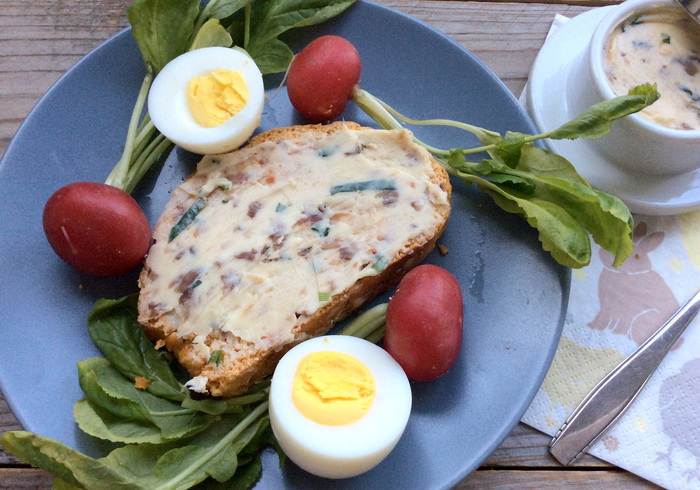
x,y
515,295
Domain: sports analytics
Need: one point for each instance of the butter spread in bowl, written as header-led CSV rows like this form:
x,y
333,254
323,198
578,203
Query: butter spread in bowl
x,y
659,46
646,41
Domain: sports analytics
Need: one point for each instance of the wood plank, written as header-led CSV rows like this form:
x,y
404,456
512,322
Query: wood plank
x,y
40,41
7,422
528,447
506,37
21,479
520,479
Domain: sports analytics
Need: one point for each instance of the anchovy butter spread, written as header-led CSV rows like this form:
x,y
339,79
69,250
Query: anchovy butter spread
x,y
661,47
257,240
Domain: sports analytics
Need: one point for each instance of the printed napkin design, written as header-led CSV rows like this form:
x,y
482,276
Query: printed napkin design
x,y
611,312
634,299
679,403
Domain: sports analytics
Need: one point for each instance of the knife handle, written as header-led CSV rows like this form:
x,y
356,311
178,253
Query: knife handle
x,y
613,395
692,6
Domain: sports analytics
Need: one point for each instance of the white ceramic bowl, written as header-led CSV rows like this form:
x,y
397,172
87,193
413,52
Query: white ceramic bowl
x,y
635,143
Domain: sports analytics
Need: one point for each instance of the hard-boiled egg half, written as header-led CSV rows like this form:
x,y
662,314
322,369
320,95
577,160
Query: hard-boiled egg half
x,y
208,100
338,405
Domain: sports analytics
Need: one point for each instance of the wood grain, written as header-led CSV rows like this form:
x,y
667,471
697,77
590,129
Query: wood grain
x,y
41,39
505,36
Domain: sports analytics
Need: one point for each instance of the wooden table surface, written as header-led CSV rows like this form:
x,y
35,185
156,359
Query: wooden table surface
x,y
41,39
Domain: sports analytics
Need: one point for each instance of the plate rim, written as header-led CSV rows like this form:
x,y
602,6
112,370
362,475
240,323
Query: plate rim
x,y
564,275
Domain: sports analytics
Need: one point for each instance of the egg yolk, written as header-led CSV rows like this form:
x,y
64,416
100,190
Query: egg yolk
x,y
215,97
332,388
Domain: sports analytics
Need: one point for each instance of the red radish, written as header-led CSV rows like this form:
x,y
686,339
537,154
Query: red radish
x,y
96,228
424,323
322,77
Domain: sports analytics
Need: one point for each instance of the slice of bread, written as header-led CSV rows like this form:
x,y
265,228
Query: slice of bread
x,y
274,243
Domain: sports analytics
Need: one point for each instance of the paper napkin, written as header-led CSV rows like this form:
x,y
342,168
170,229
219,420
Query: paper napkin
x,y
612,311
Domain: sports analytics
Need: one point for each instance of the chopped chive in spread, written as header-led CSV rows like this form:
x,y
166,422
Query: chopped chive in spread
x,y
325,152
641,45
280,207
195,284
665,38
186,219
367,185
637,20
216,357
225,201
321,230
380,264
324,296
693,96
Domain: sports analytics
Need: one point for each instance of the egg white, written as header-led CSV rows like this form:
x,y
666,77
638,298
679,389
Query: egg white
x,y
341,451
170,112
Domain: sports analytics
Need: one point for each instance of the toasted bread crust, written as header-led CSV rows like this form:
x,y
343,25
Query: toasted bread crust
x,y
251,365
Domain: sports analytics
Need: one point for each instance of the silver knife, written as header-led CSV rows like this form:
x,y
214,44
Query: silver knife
x,y
612,396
